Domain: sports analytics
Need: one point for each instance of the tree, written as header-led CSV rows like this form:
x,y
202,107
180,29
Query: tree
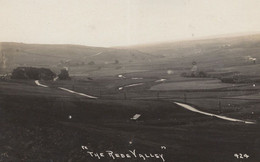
x,y
32,73
184,74
64,75
202,74
91,63
116,62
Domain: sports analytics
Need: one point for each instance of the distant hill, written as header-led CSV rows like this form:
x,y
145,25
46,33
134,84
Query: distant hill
x,y
228,55
209,53
175,48
43,55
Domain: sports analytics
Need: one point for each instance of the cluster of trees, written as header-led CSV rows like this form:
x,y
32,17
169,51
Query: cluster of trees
x,y
240,79
64,74
33,73
38,73
69,63
200,74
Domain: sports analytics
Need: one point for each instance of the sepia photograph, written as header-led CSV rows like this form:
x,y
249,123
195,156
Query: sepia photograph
x,y
129,81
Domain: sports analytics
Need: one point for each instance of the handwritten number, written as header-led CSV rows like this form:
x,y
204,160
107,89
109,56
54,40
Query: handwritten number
x,y
241,156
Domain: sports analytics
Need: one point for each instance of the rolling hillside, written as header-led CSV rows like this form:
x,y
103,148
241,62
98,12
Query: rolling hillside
x,y
218,55
56,56
208,53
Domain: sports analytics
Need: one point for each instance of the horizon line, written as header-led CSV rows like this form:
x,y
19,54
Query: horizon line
x,y
231,35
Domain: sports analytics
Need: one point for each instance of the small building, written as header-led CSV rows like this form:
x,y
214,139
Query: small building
x,y
194,69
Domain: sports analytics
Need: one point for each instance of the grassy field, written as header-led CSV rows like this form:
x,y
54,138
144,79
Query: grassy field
x,y
44,131
205,84
50,124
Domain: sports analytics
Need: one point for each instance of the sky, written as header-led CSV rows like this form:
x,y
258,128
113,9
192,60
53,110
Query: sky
x,y
124,22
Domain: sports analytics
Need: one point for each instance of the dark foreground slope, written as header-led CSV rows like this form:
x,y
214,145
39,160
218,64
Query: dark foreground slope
x,y
46,124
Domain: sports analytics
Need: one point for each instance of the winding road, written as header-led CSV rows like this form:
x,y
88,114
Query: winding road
x,y
81,94
130,85
67,90
188,107
185,106
39,84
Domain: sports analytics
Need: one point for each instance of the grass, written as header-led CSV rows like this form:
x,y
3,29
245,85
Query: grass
x,y
205,84
40,118
36,124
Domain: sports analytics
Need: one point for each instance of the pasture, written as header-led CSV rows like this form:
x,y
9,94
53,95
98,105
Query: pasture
x,y
53,122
